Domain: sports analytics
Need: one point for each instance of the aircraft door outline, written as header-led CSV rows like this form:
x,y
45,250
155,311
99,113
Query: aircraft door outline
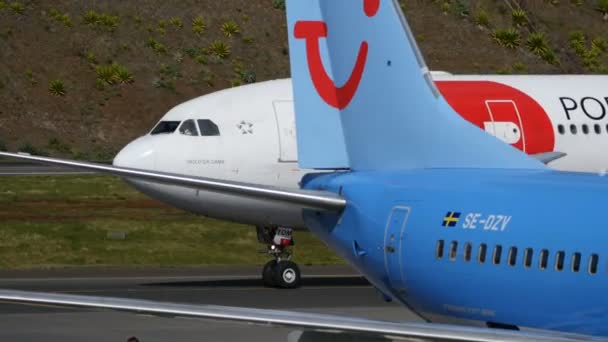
x,y
393,245
503,124
286,129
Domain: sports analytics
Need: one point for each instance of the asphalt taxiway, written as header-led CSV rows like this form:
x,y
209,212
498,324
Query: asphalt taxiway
x,y
31,169
333,290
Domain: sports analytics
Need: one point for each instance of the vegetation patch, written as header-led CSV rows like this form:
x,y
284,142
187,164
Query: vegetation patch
x,y
102,21
17,7
57,88
199,25
62,18
230,28
219,49
510,37
114,73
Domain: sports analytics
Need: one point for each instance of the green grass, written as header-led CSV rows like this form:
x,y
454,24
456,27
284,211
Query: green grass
x,y
67,221
57,88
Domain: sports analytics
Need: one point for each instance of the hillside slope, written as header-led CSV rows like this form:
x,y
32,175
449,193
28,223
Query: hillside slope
x,y
81,79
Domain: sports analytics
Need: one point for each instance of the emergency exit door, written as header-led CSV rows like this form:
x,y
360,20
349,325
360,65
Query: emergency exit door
x,y
506,123
393,244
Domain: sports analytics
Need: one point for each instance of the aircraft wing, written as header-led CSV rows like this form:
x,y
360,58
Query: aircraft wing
x,y
305,198
309,322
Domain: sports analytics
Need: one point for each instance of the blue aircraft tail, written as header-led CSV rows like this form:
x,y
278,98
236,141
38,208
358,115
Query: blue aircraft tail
x,y
364,97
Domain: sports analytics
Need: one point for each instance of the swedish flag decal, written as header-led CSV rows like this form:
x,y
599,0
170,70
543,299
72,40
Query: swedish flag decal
x,y
451,219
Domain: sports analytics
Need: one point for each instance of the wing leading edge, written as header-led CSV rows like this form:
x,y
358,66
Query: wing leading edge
x,y
305,321
305,198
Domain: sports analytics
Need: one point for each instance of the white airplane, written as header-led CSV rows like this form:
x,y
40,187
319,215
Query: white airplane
x,y
247,134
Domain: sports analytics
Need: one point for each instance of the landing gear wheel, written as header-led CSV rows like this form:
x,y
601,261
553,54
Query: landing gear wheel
x,y
268,273
287,275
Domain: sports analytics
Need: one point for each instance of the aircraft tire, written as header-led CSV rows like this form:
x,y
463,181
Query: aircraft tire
x,y
287,275
268,273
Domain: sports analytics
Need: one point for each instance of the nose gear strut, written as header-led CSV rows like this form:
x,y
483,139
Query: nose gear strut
x,y
280,272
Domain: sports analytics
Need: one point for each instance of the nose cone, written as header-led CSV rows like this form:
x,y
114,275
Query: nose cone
x,y
138,154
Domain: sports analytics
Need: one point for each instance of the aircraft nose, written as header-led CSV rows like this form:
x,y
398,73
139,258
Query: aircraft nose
x,y
138,154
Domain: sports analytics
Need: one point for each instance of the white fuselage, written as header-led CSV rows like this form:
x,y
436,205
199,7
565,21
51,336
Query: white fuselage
x,y
254,139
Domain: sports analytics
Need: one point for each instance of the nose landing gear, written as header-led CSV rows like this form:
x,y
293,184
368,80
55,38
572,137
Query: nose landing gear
x,y
280,272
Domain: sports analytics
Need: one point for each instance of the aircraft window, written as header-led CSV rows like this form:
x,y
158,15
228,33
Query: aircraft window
x,y
528,253
576,262
597,128
573,129
481,256
585,129
188,128
165,127
467,251
607,128
453,250
208,128
497,254
544,257
559,260
561,129
593,264
512,256
439,250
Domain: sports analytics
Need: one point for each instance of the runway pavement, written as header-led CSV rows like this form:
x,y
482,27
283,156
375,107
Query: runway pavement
x,y
31,169
335,290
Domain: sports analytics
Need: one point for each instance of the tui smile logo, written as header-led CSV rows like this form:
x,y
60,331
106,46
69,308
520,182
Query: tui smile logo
x,y
312,32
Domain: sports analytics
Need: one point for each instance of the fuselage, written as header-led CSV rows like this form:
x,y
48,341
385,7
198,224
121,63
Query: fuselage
x,y
500,248
248,134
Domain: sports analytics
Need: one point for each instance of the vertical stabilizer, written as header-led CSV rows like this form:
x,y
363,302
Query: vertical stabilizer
x,y
361,85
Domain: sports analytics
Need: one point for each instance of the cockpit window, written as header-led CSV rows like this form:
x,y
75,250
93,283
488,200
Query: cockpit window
x,y
188,128
208,128
165,127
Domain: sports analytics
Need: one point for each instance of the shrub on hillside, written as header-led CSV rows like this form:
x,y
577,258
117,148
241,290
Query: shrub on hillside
x,y
57,88
198,25
17,7
230,28
482,18
537,43
519,17
220,49
509,38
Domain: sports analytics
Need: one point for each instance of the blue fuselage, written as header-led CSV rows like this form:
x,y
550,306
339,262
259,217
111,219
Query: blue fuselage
x,y
515,248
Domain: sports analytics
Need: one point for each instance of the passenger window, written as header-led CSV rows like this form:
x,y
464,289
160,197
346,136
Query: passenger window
x,y
512,256
208,128
497,254
573,129
467,251
481,256
544,257
165,127
585,129
453,250
559,260
576,262
439,249
188,128
593,264
561,129
597,128
528,253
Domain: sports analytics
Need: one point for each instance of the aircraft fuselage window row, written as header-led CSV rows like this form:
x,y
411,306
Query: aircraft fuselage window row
x,y
206,128
559,261
585,129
